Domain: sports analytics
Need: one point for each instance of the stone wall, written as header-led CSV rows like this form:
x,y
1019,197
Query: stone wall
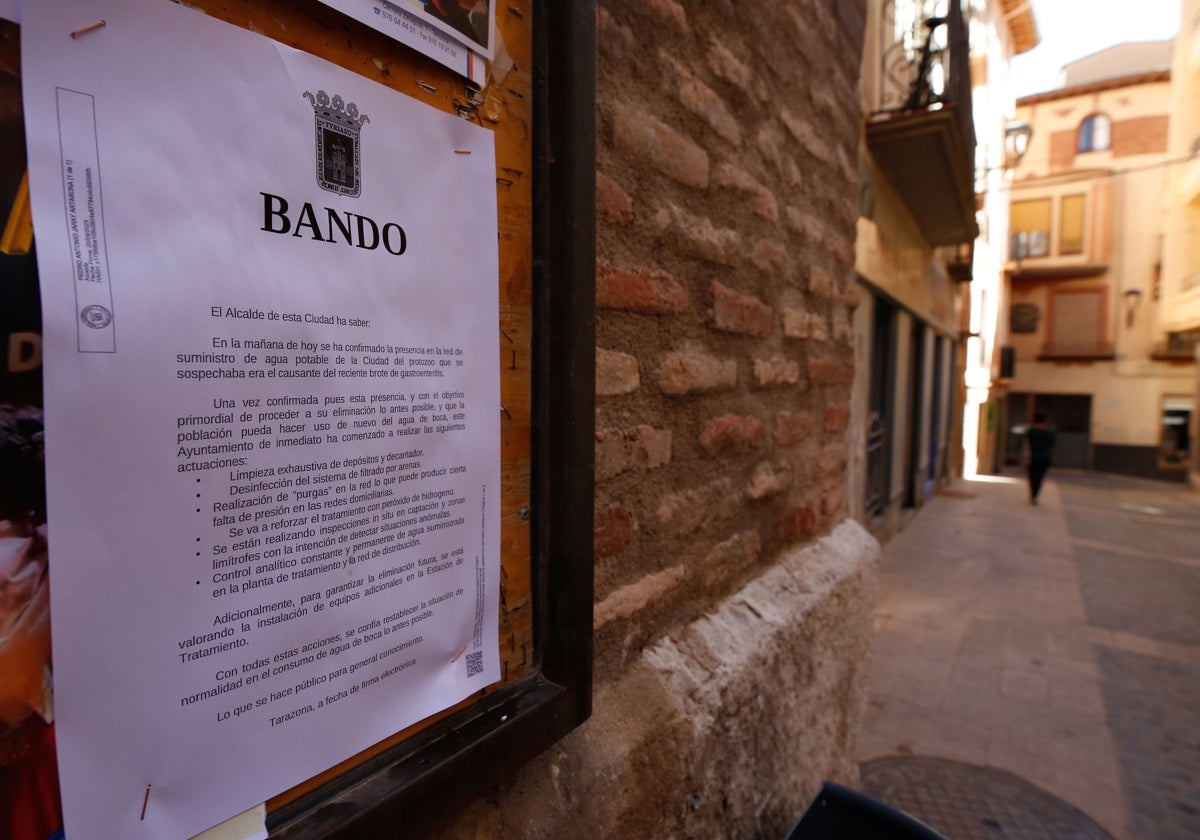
x,y
733,594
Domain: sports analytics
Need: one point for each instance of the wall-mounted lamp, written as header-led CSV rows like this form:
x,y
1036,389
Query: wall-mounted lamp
x,y
1133,299
1016,142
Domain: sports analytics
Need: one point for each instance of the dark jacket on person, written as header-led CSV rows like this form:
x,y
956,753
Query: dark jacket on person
x,y
1041,443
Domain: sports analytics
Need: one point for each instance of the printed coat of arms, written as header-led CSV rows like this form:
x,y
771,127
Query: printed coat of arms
x,y
338,127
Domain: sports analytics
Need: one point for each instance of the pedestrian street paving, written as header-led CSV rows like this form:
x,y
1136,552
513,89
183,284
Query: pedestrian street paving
x,y
1036,670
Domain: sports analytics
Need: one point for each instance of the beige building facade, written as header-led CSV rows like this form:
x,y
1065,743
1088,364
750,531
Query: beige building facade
x,y
1085,263
925,237
1179,314
1006,30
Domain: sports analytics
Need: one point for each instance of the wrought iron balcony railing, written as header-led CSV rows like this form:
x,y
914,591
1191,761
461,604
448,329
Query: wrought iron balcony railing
x,y
1080,351
922,133
927,64
1179,347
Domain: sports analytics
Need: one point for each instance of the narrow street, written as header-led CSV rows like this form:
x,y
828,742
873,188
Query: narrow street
x,y
1036,670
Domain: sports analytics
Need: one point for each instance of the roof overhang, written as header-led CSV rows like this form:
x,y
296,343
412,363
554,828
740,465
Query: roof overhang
x,y
1018,16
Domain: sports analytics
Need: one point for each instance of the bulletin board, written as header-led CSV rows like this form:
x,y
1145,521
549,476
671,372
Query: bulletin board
x,y
538,102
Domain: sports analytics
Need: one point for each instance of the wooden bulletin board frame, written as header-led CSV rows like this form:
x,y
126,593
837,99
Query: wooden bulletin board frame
x,y
543,116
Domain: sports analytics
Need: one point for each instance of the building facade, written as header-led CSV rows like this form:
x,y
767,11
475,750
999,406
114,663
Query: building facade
x,y
1179,310
934,94
999,32
1084,269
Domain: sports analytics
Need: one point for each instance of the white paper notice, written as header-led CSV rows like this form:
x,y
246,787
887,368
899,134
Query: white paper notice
x,y
416,29
269,291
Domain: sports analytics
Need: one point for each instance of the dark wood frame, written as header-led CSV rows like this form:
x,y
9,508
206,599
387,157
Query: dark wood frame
x,y
407,790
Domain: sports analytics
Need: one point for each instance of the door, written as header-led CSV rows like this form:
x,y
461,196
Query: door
x,y
879,401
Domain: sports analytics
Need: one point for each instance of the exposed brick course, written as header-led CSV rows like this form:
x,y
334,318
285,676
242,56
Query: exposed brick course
x,y
692,370
669,11
729,67
821,283
836,418
772,258
641,447
843,329
616,373
688,511
731,432
832,499
651,141
640,290
831,461
614,530
809,138
824,373
761,199
770,478
798,323
797,523
613,204
791,427
702,100
696,235
774,371
776,148
738,313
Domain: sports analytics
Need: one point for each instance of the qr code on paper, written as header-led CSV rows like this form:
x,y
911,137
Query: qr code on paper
x,y
474,663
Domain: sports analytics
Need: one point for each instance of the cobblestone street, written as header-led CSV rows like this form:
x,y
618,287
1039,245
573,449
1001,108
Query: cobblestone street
x,y
1039,667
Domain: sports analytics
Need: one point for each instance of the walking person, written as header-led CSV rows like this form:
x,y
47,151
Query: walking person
x,y
1038,449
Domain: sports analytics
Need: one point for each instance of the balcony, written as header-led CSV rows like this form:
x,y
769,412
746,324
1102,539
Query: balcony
x,y
1166,353
1077,351
1179,347
923,138
960,261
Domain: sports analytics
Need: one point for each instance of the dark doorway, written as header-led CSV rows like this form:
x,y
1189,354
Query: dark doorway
x,y
879,408
916,389
937,417
1070,415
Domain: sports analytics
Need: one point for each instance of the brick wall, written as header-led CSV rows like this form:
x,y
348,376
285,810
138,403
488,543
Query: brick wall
x,y
1136,136
1062,149
1140,136
726,203
733,600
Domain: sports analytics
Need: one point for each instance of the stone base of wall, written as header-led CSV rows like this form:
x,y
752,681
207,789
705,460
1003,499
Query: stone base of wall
x,y
725,728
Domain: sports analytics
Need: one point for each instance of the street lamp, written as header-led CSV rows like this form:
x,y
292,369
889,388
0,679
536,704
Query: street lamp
x,y
1016,142
1133,299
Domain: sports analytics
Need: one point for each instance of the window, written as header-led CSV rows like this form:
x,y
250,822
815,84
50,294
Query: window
x,y
1031,224
1095,133
1076,324
1031,228
1070,224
